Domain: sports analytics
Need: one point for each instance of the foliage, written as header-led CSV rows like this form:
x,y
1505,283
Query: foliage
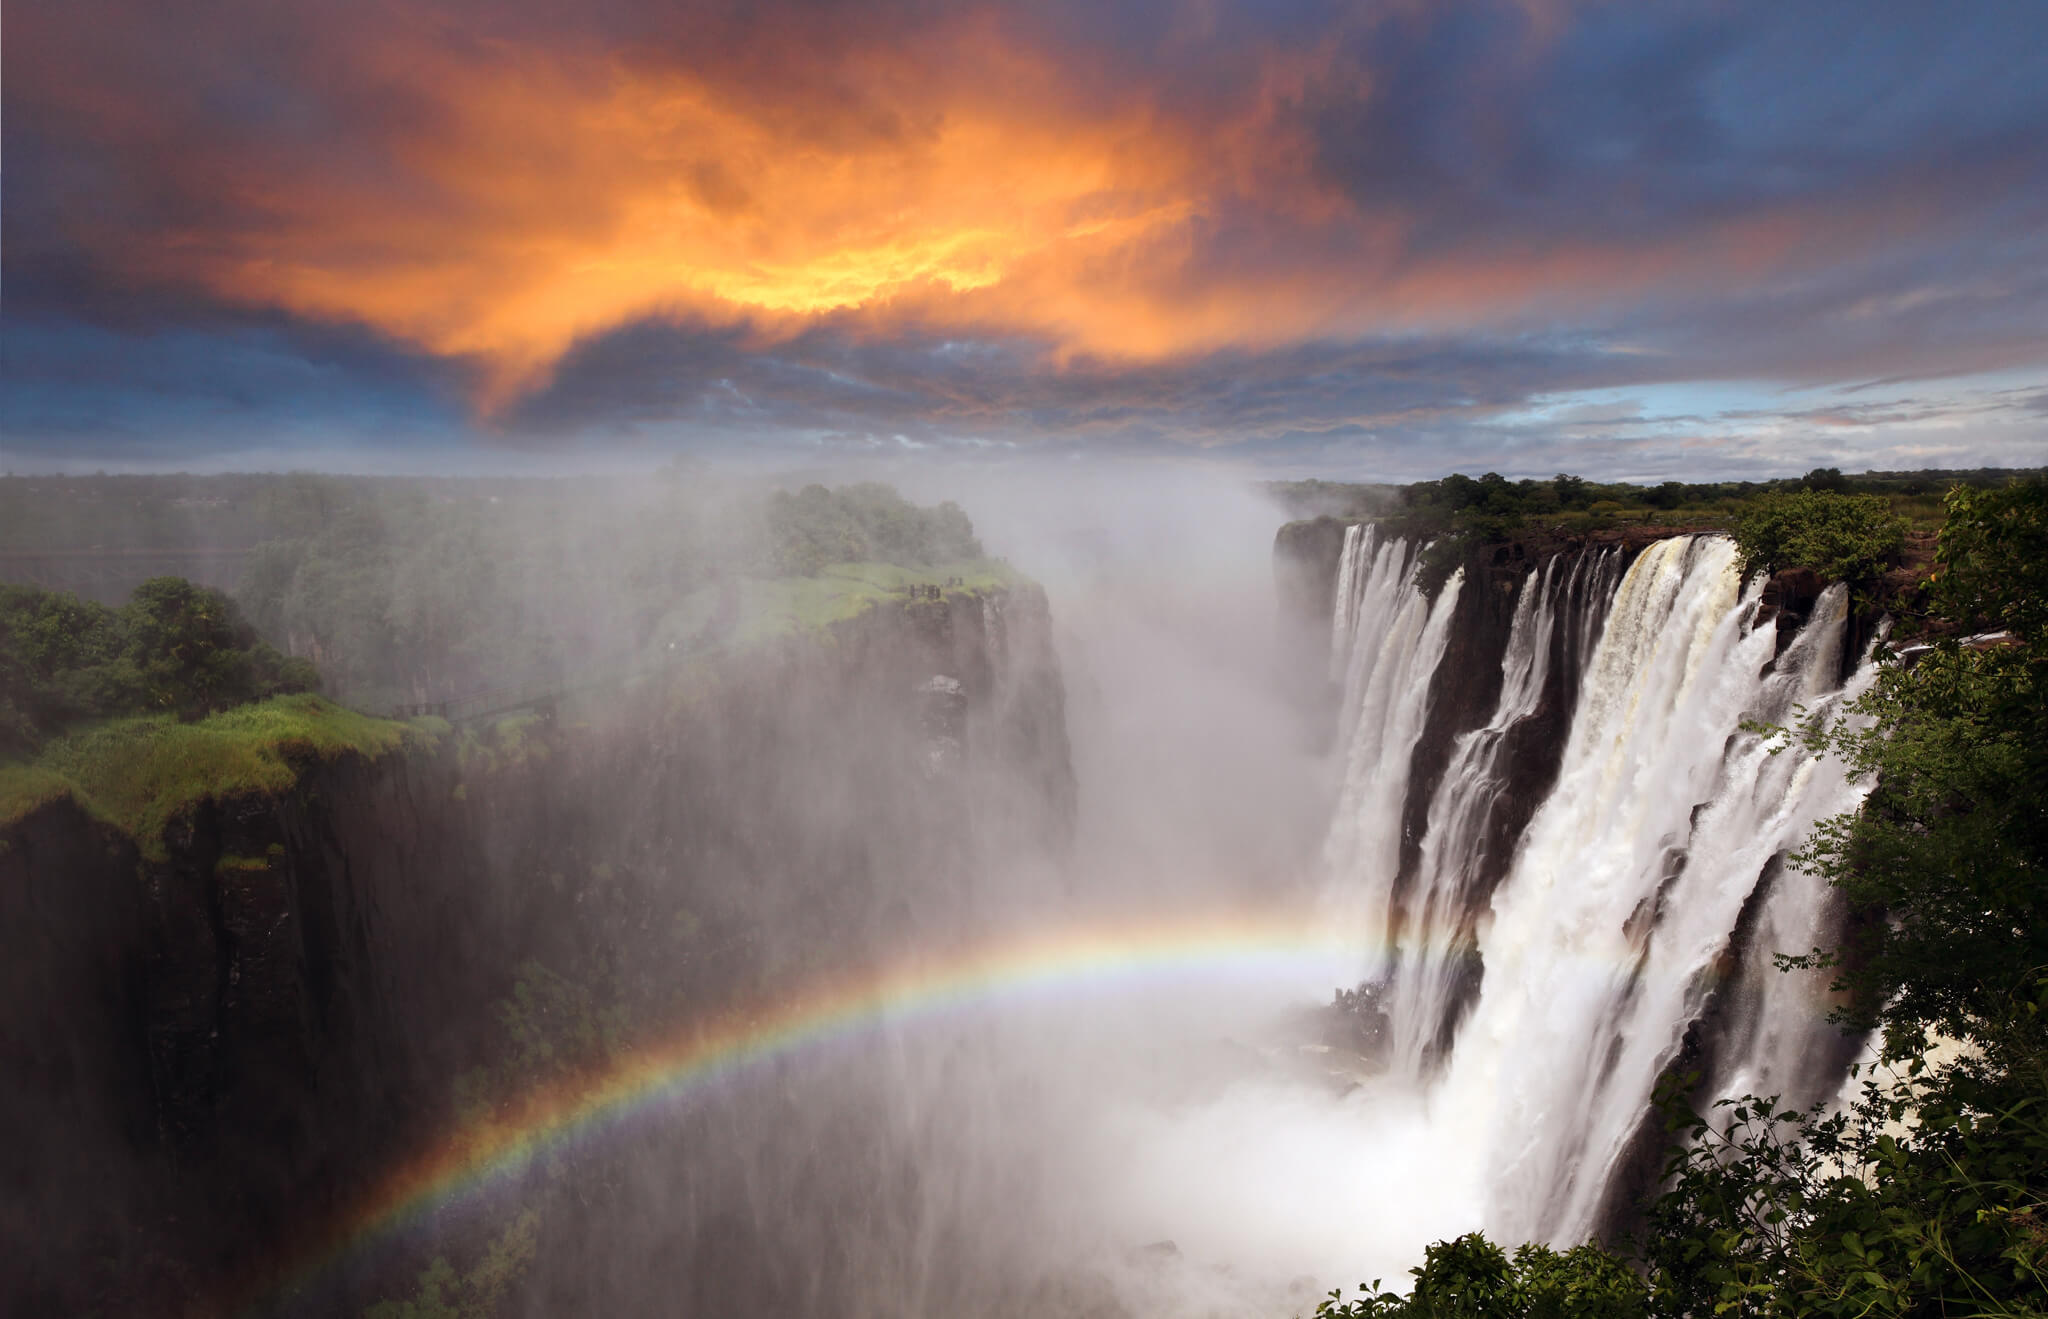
x,y
410,593
1844,538
174,647
1927,1196
555,1024
1993,561
1471,1278
1952,845
549,1026
1903,1205
815,527
142,772
1477,510
785,605
477,1294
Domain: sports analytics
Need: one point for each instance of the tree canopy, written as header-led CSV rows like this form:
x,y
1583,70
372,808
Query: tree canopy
x,y
1844,538
174,647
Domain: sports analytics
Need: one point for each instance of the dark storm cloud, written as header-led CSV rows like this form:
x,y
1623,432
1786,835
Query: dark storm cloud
x,y
1295,231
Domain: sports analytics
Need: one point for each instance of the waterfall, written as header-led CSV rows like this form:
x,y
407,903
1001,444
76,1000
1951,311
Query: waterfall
x,y
1395,636
1777,1037
1436,950
1616,917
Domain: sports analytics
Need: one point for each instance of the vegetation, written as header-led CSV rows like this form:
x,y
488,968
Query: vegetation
x,y
477,1294
786,605
1470,510
1930,1195
816,527
1844,538
1473,1277
140,773
417,591
548,1027
174,648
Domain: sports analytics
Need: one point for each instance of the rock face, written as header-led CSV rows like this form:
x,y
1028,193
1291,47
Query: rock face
x,y
1467,687
210,1052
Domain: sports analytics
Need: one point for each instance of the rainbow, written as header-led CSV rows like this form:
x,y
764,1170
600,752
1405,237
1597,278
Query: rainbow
x,y
1082,962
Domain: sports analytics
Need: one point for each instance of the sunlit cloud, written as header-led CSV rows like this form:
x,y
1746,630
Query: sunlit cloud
x,y
948,221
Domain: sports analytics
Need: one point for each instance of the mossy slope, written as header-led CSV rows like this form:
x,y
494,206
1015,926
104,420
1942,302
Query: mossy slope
x,y
138,774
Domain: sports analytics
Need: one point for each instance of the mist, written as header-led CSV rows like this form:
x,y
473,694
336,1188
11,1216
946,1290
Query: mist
x,y
1026,888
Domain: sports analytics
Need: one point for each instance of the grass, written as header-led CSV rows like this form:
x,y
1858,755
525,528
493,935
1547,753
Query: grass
x,y
788,606
140,774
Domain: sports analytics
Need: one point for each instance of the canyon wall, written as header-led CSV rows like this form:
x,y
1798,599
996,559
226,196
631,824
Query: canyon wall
x,y
218,1041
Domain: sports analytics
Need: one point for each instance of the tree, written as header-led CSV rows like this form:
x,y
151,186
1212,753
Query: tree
x,y
57,654
1668,495
1844,538
1928,1197
1471,1278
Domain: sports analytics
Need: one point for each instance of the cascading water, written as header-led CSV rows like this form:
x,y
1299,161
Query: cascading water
x,y
1396,637
1618,916
1437,945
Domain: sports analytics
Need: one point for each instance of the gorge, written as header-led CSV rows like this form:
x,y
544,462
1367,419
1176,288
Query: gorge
x,y
1035,895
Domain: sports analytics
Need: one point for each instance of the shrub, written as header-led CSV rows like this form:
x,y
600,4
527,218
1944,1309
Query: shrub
x,y
1844,538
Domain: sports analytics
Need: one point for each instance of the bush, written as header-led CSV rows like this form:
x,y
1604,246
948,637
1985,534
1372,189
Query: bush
x,y
1471,1278
867,523
173,648
1844,538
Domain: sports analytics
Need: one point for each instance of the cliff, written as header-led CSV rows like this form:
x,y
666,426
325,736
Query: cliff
x,y
219,1033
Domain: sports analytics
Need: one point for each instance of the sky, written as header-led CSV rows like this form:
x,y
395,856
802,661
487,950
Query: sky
x,y
1633,240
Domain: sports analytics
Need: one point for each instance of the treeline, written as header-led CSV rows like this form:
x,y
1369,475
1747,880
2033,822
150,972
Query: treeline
x,y
866,523
174,648
1929,1196
403,591
1491,506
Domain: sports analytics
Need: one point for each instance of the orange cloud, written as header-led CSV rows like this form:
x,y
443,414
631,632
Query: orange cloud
x,y
552,200
503,198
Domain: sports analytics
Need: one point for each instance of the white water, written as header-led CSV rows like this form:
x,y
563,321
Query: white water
x,y
1397,637
1437,925
1606,937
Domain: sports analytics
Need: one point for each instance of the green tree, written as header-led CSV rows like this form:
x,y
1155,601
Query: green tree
x,y
1844,538
193,654
58,657
1928,1197
173,647
1951,848
1471,1278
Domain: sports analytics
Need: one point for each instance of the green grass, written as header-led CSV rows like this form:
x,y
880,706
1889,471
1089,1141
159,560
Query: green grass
x,y
788,606
139,774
